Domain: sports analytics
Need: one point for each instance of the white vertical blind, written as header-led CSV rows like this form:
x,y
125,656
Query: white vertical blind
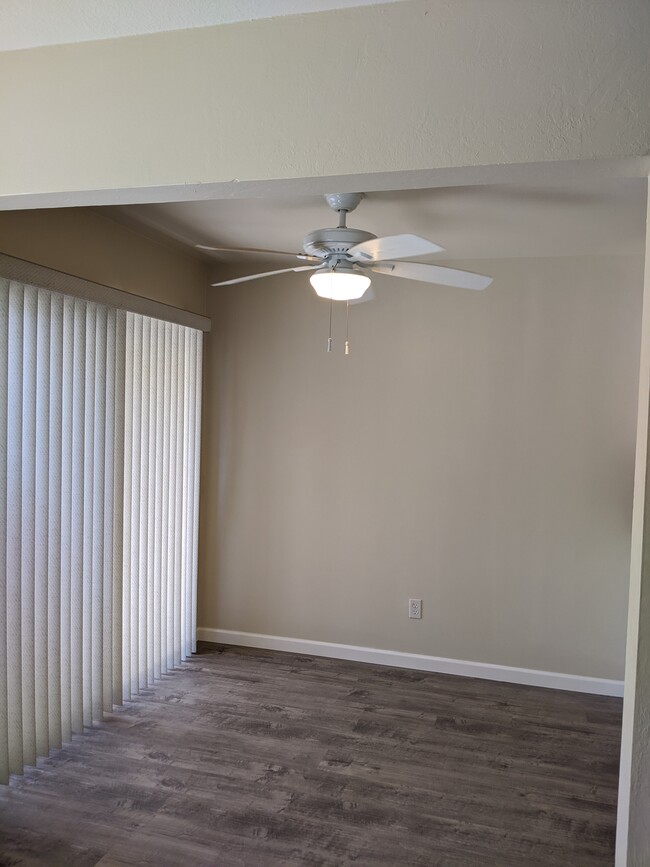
x,y
162,416
99,459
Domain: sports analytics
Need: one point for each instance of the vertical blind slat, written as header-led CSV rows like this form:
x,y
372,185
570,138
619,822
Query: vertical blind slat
x,y
143,620
67,442
55,522
198,403
133,437
14,528
88,516
187,465
4,364
178,520
127,549
75,636
98,447
157,536
106,576
164,547
28,529
119,524
172,540
149,493
41,523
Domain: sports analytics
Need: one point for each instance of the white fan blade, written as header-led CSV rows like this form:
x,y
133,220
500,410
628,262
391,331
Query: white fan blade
x,y
368,295
392,247
433,274
256,250
265,274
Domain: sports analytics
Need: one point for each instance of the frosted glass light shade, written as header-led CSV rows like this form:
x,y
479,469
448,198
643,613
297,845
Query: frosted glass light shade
x,y
339,285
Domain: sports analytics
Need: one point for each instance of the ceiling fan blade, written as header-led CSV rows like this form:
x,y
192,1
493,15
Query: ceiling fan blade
x,y
433,274
392,247
256,250
265,274
368,295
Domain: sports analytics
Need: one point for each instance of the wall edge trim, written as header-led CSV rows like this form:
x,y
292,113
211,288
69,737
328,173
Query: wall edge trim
x,y
422,662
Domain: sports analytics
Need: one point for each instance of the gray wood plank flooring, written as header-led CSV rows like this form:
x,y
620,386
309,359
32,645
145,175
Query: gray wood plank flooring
x,y
251,757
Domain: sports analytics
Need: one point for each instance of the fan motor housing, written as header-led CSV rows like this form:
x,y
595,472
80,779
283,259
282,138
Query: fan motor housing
x,y
325,242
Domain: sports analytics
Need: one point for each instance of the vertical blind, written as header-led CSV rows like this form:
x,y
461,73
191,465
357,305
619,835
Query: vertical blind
x,y
162,421
99,464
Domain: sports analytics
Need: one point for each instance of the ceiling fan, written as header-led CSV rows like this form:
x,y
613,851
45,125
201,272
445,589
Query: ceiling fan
x,y
341,258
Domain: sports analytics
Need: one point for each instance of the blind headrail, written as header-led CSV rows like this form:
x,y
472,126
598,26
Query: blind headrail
x,y
68,284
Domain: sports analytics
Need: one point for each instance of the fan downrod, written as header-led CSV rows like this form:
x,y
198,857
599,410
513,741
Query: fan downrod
x,y
332,244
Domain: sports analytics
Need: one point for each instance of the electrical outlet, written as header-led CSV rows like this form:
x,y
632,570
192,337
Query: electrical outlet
x,y
415,609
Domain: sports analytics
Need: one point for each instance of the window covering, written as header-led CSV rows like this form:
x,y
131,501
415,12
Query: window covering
x,y
99,468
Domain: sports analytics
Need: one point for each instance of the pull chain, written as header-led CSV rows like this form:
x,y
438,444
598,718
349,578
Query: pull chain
x,y
347,327
329,339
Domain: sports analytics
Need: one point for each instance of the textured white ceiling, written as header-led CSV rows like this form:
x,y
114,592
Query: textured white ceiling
x,y
30,23
477,222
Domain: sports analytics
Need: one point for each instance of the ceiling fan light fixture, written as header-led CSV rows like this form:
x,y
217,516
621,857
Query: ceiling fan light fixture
x,y
339,285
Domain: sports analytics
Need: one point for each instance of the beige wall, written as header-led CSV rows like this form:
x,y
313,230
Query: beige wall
x,y
83,242
475,450
389,88
632,838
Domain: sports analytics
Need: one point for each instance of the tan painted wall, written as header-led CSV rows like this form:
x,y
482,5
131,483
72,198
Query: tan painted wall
x,y
83,242
389,88
475,450
632,838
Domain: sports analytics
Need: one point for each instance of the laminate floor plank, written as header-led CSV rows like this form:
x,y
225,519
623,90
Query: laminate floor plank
x,y
250,757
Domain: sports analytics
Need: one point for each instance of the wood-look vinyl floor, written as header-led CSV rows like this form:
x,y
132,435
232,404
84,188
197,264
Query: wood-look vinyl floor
x,y
250,757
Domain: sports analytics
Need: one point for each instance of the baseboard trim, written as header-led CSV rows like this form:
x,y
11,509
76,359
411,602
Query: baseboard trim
x,y
397,659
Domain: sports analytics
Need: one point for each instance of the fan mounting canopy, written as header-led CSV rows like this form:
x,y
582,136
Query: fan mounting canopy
x,y
343,201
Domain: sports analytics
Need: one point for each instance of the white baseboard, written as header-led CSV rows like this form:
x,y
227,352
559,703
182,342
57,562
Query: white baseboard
x,y
504,673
